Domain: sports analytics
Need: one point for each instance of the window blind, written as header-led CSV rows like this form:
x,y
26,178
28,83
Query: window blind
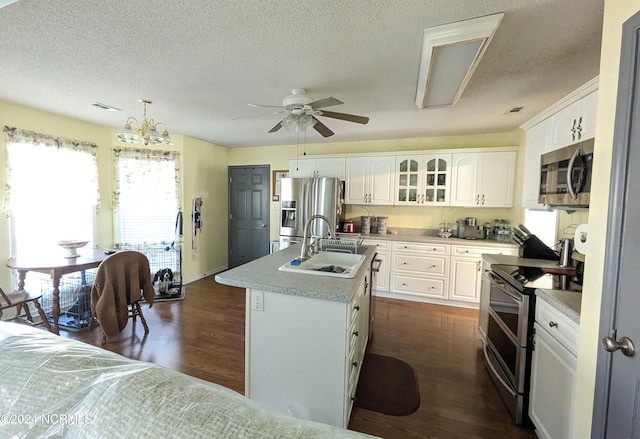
x,y
146,196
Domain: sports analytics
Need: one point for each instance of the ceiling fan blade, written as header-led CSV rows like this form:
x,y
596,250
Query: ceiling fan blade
x,y
265,106
322,128
256,115
326,102
343,116
276,127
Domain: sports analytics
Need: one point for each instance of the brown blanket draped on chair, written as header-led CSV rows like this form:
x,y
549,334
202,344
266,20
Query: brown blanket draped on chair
x,y
122,279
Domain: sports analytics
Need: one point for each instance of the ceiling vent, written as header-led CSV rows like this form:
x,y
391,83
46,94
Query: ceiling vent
x,y
450,54
514,110
105,106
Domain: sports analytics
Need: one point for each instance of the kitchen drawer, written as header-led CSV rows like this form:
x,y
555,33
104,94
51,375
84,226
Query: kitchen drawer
x,y
419,285
379,244
477,251
421,247
558,325
418,264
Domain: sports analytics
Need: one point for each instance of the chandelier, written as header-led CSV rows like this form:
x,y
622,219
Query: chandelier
x,y
144,131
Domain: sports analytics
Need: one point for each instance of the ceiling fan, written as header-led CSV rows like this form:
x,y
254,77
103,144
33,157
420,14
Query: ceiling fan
x,y
303,112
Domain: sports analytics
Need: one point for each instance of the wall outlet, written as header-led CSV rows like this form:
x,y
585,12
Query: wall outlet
x,y
257,300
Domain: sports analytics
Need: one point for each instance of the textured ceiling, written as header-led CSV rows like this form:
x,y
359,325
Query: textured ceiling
x,y
202,61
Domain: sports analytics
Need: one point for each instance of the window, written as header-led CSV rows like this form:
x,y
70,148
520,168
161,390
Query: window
x,y
52,191
543,224
146,196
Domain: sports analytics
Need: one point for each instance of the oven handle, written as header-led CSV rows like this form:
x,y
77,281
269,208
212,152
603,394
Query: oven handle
x,y
497,280
495,372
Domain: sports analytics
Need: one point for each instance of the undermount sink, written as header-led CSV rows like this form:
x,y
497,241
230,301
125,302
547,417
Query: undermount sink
x,y
325,263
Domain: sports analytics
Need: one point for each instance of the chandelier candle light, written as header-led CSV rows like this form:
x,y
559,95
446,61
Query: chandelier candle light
x,y
145,130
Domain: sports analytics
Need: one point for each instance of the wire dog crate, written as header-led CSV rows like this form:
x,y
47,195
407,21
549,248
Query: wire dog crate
x,y
165,262
75,299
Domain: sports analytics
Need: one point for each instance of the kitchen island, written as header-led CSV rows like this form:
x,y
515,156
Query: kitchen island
x,y
305,336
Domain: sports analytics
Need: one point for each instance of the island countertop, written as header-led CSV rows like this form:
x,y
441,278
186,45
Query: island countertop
x,y
263,274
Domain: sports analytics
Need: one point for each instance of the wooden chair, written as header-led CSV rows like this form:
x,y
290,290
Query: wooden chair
x,y
121,282
20,301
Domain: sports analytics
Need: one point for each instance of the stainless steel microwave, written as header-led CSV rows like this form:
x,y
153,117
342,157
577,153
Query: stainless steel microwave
x,y
565,176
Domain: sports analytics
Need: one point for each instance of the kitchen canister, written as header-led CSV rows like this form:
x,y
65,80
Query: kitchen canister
x,y
382,225
365,224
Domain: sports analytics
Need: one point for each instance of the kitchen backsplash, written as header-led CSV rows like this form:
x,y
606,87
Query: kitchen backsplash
x,y
407,217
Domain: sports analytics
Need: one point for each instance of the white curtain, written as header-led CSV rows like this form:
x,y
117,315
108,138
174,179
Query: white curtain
x,y
52,191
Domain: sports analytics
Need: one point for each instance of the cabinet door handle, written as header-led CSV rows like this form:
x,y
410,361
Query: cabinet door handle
x,y
477,199
553,324
483,199
356,333
354,364
357,307
580,128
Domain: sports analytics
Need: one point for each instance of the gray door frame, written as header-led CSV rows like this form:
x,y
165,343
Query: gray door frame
x,y
626,130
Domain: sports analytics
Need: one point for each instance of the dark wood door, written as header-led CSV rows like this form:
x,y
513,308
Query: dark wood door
x,y
617,392
248,213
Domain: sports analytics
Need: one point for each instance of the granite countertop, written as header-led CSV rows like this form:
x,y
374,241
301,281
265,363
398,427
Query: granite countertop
x,y
567,302
263,274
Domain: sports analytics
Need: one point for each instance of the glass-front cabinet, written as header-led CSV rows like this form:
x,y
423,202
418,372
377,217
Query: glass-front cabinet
x,y
423,180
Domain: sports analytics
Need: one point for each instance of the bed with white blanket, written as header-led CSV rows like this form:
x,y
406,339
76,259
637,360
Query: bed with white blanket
x,y
52,387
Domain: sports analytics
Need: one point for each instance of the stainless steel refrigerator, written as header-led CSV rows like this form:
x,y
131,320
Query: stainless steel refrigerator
x,y
301,198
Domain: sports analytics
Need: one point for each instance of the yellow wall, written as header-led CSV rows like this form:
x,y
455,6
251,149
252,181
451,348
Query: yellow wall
x,y
203,174
615,13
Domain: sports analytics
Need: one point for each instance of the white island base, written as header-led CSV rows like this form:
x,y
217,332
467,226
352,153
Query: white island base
x,y
306,336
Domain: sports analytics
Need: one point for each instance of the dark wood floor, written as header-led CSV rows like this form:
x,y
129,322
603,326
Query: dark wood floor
x,y
203,336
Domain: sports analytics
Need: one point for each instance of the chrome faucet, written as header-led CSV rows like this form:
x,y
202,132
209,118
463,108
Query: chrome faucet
x,y
304,253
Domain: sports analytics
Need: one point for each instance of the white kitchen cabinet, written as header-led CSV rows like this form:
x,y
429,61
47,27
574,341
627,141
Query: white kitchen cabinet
x,y
383,249
483,179
466,270
574,123
370,180
304,355
423,180
553,371
538,142
317,167
420,269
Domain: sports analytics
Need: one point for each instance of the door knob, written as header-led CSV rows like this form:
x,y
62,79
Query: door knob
x,y
625,345
263,225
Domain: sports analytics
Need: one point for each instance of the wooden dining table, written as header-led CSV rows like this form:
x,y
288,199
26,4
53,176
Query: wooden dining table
x,y
55,265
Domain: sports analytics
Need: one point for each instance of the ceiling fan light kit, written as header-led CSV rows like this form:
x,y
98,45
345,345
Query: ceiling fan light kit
x,y
145,130
303,113
450,54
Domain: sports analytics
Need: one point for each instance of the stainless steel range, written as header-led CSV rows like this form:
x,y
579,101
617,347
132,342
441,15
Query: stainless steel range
x,y
508,327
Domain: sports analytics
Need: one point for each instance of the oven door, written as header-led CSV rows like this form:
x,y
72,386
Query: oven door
x,y
507,331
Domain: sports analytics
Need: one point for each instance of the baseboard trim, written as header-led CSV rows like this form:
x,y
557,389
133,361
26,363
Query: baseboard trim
x,y
421,299
208,273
